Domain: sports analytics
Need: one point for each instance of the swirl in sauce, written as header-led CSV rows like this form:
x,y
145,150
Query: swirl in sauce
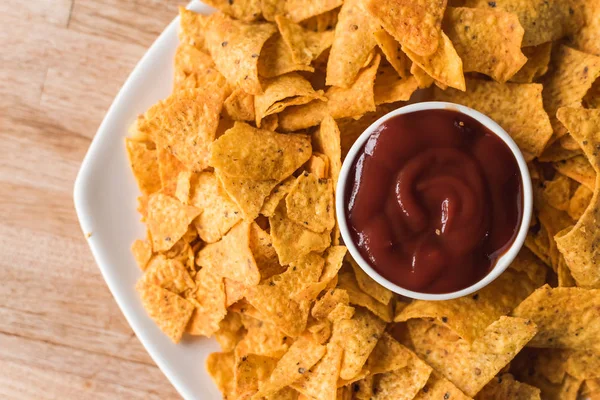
x,y
434,199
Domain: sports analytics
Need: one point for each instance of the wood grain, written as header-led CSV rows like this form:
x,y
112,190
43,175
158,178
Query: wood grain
x,y
62,62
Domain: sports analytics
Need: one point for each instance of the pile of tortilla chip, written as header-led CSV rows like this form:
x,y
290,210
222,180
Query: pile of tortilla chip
x,y
237,171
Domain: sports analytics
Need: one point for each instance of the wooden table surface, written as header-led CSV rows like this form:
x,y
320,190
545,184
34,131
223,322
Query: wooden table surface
x,y
62,62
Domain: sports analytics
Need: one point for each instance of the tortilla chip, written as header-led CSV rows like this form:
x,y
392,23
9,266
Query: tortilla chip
x,y
144,164
506,387
299,10
404,383
438,387
487,41
392,50
263,338
235,47
580,246
189,123
445,65
239,106
388,355
250,153
305,45
249,195
543,21
391,87
231,257
583,365
556,152
294,364
280,191
191,28
281,92
527,263
423,79
369,286
579,169
245,10
169,168
483,308
310,203
334,256
293,241
554,221
234,291
220,368
352,44
327,141
209,300
587,39
517,108
358,297
195,69
579,202
142,252
557,192
470,369
566,317
572,76
319,382
168,310
421,24
250,371
169,274
168,220
363,389
538,58
230,331
264,253
358,337
276,59
318,166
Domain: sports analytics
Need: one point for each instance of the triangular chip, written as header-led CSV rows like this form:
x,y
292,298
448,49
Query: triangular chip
x,y
235,47
327,141
250,153
191,28
388,355
538,59
220,367
248,194
142,252
169,168
320,381
169,274
579,169
438,387
587,39
276,59
487,41
239,106
360,298
299,10
416,24
506,387
579,202
391,87
144,164
168,220
352,44
230,332
209,300
245,10
231,257
517,108
168,310
334,256
278,193
392,50
310,203
404,383
305,45
195,69
250,371
369,286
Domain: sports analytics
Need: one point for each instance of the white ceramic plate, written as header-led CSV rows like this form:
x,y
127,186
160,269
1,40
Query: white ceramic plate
x,y
105,200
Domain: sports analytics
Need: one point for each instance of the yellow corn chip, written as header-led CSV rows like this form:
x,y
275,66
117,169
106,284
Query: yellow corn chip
x,y
195,69
527,263
276,59
517,108
218,212
305,45
239,106
168,310
438,387
369,286
231,257
587,39
420,26
340,312
572,76
579,202
347,282
294,364
358,337
334,256
363,389
169,168
234,291
168,220
318,166
281,92
142,252
580,246
250,371
538,58
264,253
299,10
569,143
506,387
293,241
144,164
579,169
557,192
247,152
209,300
583,365
392,50
192,27
404,383
319,330
263,338
445,66
183,187
423,79
388,355
352,44
235,47
328,302
245,10
310,203
556,152
565,279
543,22
280,191
391,87
566,317
230,332
470,369
220,368
248,194
487,41
169,274
327,141
320,381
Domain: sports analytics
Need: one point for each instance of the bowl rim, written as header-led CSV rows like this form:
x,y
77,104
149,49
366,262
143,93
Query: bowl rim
x,y
503,262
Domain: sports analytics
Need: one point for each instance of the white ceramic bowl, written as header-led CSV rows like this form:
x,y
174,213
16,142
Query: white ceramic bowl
x,y
501,264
